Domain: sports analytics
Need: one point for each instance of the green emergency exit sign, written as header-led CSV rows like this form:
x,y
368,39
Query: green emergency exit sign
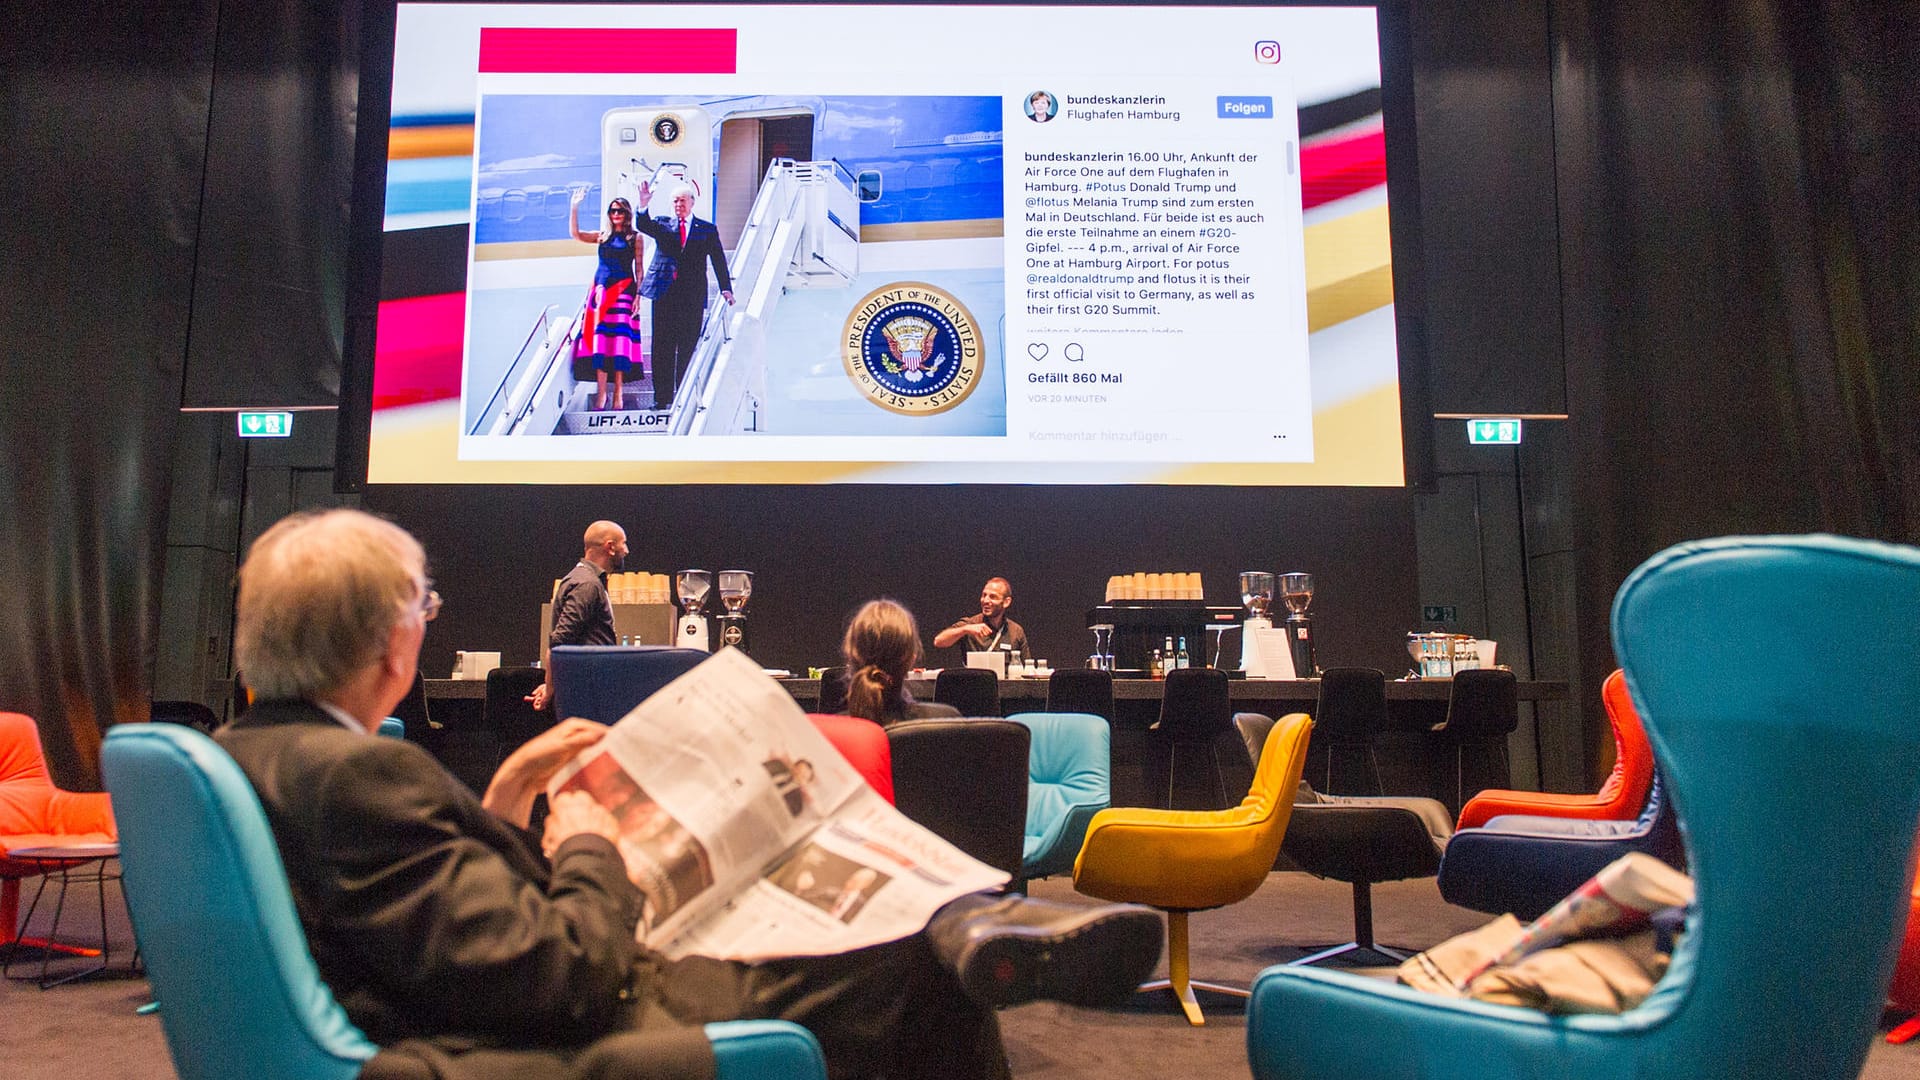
x,y
266,425
1493,432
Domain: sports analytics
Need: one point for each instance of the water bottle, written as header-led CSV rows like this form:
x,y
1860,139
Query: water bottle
x,y
1181,659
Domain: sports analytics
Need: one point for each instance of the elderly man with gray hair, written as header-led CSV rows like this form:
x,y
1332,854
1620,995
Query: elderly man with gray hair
x,y
467,948
676,282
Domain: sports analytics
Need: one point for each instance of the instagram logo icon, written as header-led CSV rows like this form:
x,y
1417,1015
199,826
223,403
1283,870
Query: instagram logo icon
x,y
1266,52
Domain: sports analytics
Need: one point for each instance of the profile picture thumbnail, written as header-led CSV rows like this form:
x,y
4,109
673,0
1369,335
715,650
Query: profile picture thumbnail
x,y
1041,106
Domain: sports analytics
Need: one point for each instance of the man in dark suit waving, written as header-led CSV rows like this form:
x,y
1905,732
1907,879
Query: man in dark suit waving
x,y
676,282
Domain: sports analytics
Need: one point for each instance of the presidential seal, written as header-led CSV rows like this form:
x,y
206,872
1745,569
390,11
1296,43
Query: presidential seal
x,y
912,349
666,130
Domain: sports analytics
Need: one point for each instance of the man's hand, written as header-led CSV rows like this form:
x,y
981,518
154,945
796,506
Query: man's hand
x,y
572,813
538,699
646,196
727,295
526,771
979,631
542,755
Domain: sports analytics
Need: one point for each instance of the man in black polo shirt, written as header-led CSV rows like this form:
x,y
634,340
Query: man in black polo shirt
x,y
582,610
989,630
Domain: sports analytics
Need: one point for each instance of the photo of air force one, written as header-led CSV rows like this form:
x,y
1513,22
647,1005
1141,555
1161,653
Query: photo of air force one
x,y
818,201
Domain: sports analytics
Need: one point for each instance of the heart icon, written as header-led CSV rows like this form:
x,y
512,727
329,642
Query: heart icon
x,y
1037,350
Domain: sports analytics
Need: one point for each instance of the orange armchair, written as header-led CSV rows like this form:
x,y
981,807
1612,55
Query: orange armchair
x,y
1619,799
864,744
1905,992
34,813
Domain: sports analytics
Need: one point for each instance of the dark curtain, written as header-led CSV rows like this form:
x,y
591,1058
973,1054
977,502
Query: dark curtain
x,y
270,276
103,117
1738,195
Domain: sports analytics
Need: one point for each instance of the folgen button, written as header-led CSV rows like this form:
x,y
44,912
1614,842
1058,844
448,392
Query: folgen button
x,y
1246,108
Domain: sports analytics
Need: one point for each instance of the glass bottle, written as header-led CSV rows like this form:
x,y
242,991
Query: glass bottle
x,y
1181,659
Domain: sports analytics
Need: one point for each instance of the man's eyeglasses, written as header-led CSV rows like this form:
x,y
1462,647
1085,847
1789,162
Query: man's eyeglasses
x,y
429,606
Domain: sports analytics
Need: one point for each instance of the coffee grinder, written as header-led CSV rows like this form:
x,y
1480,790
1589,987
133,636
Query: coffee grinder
x,y
692,587
736,586
1296,591
1256,593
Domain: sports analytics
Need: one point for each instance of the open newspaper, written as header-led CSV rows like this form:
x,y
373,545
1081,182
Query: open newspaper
x,y
1621,898
750,836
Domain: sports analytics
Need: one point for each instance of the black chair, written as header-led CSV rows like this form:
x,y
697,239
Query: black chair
x,y
967,781
1193,757
1081,690
191,713
412,709
1361,841
974,691
508,716
1483,709
833,691
1349,717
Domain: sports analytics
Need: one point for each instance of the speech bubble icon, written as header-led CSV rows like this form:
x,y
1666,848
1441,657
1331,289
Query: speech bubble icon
x,y
1074,352
1037,350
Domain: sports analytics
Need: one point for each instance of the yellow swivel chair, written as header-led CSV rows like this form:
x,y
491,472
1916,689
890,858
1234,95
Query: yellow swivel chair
x,y
1182,861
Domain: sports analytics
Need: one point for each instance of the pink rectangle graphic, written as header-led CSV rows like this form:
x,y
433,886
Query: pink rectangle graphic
x,y
516,50
416,353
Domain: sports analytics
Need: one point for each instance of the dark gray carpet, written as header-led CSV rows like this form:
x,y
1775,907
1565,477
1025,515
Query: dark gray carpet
x,y
89,1028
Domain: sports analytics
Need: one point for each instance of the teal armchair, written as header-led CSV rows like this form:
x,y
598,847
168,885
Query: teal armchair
x,y
240,996
1069,779
1779,679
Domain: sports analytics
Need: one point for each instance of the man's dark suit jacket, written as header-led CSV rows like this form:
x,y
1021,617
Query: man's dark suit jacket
x,y
676,275
431,919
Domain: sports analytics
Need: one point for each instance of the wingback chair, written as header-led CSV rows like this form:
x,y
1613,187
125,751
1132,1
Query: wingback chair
x,y
1791,747
240,996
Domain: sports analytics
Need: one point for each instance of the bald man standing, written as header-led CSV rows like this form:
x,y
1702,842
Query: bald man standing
x,y
582,610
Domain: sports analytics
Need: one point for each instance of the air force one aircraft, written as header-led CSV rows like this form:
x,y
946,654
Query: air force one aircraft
x,y
819,201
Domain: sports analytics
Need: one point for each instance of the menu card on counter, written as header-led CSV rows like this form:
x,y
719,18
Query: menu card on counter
x,y
1274,651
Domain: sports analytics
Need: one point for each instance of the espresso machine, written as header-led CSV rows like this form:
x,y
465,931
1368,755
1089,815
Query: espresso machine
x,y
736,586
1296,591
692,587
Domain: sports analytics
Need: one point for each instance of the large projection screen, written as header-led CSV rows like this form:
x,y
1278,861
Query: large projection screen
x,y
913,244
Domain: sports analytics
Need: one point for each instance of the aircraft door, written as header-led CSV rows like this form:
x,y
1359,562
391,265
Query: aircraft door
x,y
662,145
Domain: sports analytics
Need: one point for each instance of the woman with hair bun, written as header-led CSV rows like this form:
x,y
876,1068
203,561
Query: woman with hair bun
x,y
881,646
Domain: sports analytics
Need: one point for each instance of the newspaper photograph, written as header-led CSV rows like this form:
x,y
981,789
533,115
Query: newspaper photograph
x,y
749,836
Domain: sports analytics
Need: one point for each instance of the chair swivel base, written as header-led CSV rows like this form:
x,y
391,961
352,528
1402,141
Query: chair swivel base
x,y
1362,933
1178,980
1351,947
1184,995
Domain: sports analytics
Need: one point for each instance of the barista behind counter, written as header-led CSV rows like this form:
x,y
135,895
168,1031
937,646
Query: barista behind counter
x,y
989,630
